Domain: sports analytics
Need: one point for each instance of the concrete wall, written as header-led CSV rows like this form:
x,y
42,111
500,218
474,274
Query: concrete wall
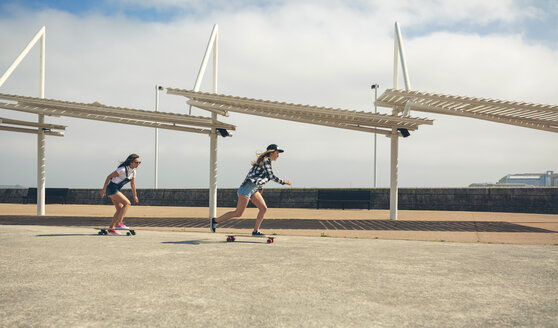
x,y
519,200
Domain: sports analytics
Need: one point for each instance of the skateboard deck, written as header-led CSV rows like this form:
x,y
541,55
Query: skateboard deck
x,y
104,231
232,237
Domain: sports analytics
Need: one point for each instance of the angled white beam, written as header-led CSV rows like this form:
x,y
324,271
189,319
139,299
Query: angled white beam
x,y
40,35
210,45
401,50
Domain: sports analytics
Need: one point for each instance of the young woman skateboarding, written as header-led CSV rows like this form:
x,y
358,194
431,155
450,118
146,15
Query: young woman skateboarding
x,y
126,172
259,174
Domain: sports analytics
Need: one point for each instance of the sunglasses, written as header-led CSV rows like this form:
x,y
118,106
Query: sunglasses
x,y
137,162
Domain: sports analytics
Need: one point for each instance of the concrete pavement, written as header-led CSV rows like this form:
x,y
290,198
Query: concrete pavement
x,y
60,276
69,276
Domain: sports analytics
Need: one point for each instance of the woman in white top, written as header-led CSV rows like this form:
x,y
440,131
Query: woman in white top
x,y
126,172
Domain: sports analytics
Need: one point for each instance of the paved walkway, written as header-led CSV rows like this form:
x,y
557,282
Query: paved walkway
x,y
70,277
472,227
496,270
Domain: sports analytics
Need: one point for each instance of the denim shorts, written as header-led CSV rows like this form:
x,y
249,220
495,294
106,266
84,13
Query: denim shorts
x,y
112,188
247,189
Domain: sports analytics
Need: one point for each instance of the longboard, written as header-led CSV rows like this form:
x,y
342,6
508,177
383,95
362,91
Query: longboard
x,y
232,237
104,231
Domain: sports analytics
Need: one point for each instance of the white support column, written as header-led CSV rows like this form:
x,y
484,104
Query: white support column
x,y
398,52
41,144
213,171
211,46
393,191
156,182
213,135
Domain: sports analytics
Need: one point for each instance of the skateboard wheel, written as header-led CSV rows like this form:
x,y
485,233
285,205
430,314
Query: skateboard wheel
x,y
233,238
133,232
229,239
128,233
269,241
100,233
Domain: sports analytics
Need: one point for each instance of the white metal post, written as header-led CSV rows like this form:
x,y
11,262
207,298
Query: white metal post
x,y
375,139
393,196
41,152
397,53
213,171
41,144
375,87
212,45
156,138
213,137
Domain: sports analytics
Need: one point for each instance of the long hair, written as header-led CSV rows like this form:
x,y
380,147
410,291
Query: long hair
x,y
261,157
129,160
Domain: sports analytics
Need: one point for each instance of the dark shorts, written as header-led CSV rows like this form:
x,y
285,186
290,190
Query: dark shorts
x,y
112,188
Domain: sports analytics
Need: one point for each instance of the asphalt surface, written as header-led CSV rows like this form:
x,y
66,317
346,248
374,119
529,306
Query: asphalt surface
x,y
53,276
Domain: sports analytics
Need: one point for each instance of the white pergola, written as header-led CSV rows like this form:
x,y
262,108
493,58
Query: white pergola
x,y
324,116
542,117
528,115
104,113
392,126
94,111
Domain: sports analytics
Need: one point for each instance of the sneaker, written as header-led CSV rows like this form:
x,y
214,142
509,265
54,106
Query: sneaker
x,y
258,233
113,232
213,225
122,226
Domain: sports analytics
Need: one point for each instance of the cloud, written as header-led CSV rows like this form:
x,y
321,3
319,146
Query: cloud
x,y
301,52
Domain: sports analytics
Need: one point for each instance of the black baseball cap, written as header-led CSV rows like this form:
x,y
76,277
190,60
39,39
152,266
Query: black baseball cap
x,y
274,147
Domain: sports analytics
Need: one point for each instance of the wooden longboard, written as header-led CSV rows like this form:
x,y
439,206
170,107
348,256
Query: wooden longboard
x,y
104,231
232,237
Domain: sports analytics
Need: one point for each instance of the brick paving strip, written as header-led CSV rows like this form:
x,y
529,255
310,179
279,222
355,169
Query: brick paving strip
x,y
305,224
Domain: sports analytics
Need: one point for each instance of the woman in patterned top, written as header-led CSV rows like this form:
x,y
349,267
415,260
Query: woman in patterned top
x,y
126,172
250,190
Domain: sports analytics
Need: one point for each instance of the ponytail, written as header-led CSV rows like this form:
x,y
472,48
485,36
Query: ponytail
x,y
261,158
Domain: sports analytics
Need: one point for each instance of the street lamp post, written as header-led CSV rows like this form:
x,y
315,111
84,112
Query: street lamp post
x,y
157,89
375,88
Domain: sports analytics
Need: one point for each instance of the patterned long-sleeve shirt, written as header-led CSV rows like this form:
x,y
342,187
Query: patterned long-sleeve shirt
x,y
261,175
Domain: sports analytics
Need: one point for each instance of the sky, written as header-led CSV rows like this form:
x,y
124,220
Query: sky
x,y
323,53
